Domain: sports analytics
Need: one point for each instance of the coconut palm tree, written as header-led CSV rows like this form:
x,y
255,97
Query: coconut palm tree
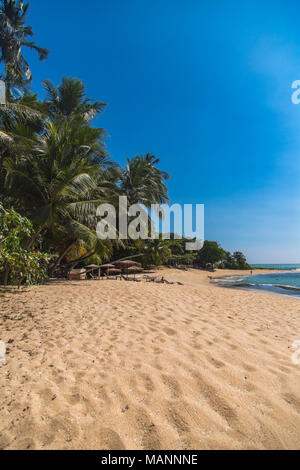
x,y
19,121
67,103
142,182
14,36
157,251
26,117
68,100
56,169
58,181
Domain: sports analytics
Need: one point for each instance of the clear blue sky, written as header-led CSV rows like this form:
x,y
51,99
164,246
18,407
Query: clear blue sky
x,y
204,85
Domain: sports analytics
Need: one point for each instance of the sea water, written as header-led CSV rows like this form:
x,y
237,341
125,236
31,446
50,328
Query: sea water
x,y
278,267
287,282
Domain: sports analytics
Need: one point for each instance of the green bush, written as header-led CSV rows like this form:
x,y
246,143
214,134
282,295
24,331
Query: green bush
x,y
18,265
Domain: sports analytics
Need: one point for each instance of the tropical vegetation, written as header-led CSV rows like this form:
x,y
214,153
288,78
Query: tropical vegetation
x,y
213,254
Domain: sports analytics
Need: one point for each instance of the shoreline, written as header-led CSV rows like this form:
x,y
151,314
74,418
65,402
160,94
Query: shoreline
x,y
274,289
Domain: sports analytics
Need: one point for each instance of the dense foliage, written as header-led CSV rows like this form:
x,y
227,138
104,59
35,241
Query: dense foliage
x,y
213,254
18,265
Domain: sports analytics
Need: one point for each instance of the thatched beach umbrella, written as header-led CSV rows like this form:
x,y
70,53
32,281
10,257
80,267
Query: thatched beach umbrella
x,y
135,269
92,267
114,271
126,264
109,268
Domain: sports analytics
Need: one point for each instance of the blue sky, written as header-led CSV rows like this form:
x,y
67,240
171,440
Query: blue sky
x,y
205,86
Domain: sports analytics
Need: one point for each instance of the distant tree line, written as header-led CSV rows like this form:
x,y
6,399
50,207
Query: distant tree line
x,y
210,254
213,253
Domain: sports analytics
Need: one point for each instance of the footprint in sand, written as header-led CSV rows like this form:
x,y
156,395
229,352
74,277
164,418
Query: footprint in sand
x,y
172,384
292,400
169,331
217,403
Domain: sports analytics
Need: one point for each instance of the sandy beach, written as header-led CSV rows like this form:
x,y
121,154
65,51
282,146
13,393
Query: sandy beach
x,y
123,365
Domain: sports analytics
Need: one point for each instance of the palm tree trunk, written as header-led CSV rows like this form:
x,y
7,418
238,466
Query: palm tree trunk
x,y
57,263
32,240
6,273
128,257
82,259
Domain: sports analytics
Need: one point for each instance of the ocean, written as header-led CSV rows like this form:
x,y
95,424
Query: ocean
x,y
278,267
285,283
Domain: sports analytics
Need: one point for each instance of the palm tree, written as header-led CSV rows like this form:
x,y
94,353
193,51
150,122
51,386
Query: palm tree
x,y
157,251
26,117
14,36
68,101
142,182
58,181
19,120
56,169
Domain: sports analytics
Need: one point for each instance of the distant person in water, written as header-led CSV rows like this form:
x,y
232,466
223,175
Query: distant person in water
x,y
251,272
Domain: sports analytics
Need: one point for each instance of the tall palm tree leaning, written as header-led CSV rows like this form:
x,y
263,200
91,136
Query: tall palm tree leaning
x,y
14,36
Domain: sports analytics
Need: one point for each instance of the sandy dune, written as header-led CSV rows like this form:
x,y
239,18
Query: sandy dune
x,y
118,365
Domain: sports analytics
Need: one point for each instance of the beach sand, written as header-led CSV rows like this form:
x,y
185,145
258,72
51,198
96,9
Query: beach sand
x,y
123,365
